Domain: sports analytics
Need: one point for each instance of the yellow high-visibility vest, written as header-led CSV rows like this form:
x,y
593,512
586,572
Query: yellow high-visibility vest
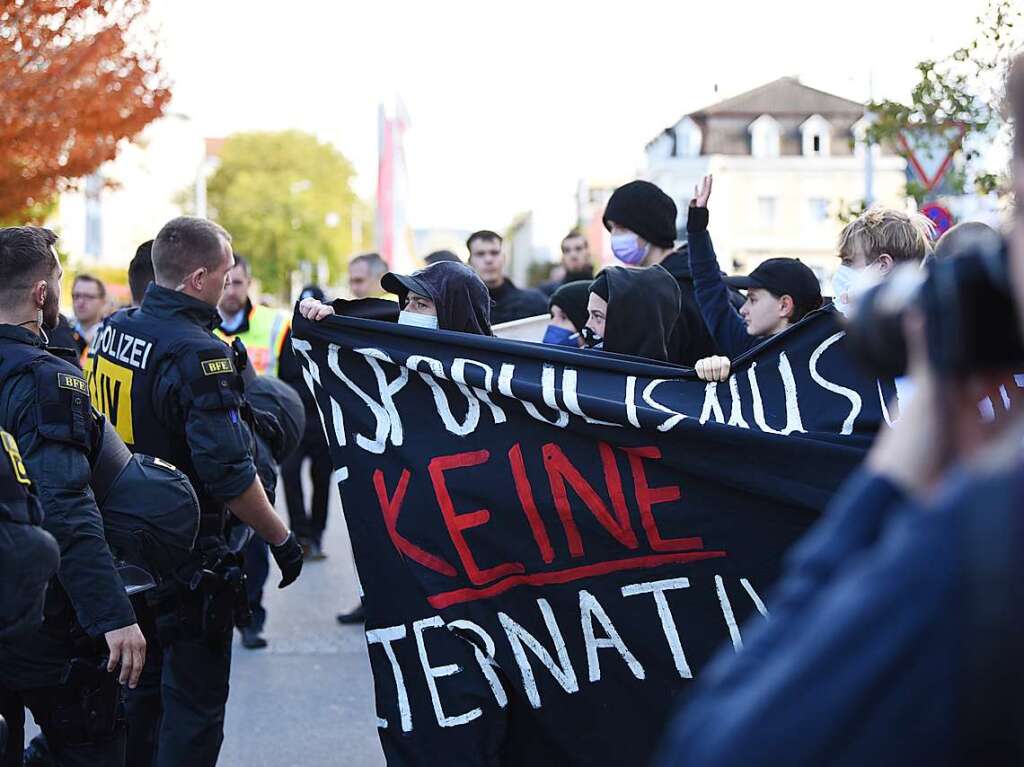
x,y
264,339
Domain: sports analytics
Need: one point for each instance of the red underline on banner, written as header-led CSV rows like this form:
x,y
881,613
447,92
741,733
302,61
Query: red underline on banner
x,y
458,596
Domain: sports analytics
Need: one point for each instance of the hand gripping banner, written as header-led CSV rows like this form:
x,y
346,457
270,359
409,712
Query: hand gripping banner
x,y
552,542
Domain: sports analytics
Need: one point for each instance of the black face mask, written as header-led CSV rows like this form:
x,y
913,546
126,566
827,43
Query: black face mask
x,y
591,339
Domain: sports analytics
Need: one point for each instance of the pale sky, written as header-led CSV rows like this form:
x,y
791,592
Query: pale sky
x,y
512,102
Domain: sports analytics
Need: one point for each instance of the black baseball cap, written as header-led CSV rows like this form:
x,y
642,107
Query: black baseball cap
x,y
401,284
783,277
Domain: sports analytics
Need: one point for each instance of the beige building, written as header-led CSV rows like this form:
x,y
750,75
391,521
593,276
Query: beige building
x,y
786,158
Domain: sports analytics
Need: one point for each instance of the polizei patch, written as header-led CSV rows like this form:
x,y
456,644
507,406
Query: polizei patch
x,y
120,347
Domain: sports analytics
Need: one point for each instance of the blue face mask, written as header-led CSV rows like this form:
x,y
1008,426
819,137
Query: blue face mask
x,y
626,248
557,336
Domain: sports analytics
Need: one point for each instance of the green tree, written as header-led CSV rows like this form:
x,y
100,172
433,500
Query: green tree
x,y
964,88
286,199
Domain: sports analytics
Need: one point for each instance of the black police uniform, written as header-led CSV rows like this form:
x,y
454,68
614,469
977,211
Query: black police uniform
x,y
172,390
58,669
64,336
29,555
28,559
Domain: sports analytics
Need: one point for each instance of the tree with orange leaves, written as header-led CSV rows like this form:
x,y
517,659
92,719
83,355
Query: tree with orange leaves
x,y
76,78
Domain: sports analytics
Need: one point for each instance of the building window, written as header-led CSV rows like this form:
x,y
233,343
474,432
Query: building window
x,y
817,132
859,131
764,137
662,148
817,209
766,210
688,138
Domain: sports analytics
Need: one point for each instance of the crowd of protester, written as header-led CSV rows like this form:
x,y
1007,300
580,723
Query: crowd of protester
x,y
893,635
899,611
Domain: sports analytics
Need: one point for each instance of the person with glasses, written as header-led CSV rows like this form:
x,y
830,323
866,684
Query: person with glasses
x,y
89,296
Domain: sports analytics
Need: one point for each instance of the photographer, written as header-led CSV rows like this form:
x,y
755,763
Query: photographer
x,y
894,636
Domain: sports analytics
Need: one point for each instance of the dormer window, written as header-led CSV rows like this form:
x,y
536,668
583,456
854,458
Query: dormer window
x,y
662,148
764,137
859,130
688,138
817,135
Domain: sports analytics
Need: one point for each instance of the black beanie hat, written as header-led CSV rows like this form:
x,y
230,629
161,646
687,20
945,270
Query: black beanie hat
x,y
572,299
644,209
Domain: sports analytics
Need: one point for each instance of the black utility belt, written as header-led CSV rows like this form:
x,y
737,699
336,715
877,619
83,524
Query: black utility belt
x,y
207,598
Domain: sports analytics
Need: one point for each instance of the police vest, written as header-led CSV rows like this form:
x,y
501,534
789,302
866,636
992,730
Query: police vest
x,y
128,353
18,503
28,555
63,414
263,339
63,409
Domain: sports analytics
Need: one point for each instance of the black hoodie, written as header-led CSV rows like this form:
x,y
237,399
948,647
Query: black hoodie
x,y
691,339
643,307
512,303
460,298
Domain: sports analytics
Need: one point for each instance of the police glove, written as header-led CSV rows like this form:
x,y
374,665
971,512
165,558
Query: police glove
x,y
288,556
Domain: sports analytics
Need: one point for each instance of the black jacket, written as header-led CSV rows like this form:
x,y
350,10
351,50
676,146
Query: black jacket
x,y
28,554
690,339
185,391
46,407
717,302
643,307
290,371
890,609
66,337
512,303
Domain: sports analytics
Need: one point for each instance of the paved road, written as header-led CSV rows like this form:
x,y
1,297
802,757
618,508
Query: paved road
x,y
307,699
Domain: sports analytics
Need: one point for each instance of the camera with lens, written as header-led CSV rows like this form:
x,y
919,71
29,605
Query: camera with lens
x,y
965,298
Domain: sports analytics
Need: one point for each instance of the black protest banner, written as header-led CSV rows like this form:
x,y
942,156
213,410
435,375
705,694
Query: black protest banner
x,y
552,541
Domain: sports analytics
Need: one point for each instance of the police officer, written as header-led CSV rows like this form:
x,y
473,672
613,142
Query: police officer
x,y
28,559
57,669
174,391
28,554
265,332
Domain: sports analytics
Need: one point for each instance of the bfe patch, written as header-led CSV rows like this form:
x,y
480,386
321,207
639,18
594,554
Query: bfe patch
x,y
218,366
